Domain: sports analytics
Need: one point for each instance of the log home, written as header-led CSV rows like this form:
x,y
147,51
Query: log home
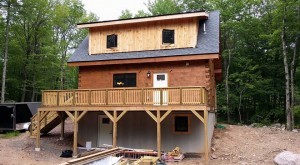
x,y
143,83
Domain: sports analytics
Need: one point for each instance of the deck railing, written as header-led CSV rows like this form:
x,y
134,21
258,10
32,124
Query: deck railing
x,y
126,97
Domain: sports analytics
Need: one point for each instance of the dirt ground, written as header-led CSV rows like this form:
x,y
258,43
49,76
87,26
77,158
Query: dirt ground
x,y
232,145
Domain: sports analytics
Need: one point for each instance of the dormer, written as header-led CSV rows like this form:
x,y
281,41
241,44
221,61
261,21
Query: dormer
x,y
144,34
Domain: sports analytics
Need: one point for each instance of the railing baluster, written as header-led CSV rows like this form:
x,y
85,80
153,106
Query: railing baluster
x,y
57,98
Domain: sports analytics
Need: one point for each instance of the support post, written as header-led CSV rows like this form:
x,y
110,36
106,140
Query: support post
x,y
206,136
115,127
75,134
158,134
38,133
62,127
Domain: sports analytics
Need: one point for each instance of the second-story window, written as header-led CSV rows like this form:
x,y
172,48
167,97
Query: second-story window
x,y
168,36
112,41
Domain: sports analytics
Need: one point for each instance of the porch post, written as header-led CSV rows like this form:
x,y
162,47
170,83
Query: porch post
x,y
62,125
158,134
206,136
38,133
75,134
115,126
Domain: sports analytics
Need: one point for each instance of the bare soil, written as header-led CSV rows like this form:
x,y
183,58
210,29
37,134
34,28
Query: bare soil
x,y
232,145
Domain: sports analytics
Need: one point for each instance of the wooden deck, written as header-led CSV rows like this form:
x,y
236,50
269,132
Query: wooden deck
x,y
125,98
158,103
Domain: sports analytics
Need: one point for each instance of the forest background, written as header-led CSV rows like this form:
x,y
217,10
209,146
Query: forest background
x,y
259,43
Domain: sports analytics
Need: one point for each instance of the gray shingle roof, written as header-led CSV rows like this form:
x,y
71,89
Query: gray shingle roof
x,y
207,43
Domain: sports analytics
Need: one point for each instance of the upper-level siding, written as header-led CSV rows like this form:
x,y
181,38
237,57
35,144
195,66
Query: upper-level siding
x,y
144,36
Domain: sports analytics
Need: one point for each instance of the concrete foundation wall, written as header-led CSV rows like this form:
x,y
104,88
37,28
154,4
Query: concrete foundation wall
x,y
138,130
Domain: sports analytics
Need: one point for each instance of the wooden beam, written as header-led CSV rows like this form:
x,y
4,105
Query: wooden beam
x,y
81,115
75,134
198,116
121,115
151,115
38,132
109,115
206,149
125,108
165,115
147,60
115,127
158,131
203,15
71,116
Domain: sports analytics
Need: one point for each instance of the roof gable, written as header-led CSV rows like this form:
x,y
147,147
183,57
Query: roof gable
x,y
207,43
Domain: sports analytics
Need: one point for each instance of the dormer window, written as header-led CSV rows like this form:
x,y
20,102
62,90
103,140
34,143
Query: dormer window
x,y
168,36
112,41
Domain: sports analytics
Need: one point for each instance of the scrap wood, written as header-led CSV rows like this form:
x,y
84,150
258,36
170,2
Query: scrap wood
x,y
93,157
146,160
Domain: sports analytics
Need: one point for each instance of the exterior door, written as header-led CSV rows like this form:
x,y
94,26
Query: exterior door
x,y
160,80
104,130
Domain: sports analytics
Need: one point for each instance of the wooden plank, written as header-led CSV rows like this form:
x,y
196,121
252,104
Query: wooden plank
x,y
38,133
75,133
203,15
165,115
198,115
158,134
126,108
81,115
206,149
121,115
115,127
109,115
151,115
70,115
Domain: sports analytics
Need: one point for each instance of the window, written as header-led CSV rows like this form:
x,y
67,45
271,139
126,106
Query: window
x,y
124,80
168,36
181,124
105,120
112,41
160,77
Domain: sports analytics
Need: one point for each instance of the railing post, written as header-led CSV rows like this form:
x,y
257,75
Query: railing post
x,y
73,102
142,96
43,99
106,96
161,96
124,100
57,98
180,95
90,97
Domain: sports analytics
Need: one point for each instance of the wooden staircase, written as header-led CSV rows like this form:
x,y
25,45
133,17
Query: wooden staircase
x,y
50,121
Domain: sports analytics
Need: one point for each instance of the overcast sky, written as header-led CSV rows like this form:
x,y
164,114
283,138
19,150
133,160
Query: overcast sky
x,y
111,9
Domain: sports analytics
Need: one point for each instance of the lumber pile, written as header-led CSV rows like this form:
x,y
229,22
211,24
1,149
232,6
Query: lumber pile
x,y
146,160
174,156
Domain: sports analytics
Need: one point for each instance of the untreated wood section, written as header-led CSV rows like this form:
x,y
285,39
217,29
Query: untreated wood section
x,y
93,157
203,15
144,36
125,97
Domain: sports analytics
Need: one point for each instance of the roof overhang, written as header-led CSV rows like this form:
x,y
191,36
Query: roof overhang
x,y
202,15
146,60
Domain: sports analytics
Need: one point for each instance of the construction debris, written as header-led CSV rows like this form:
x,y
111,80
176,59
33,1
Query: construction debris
x,y
173,156
146,160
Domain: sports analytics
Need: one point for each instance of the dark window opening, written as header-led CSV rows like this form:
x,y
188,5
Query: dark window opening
x,y
112,41
125,80
161,77
105,120
181,124
168,36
